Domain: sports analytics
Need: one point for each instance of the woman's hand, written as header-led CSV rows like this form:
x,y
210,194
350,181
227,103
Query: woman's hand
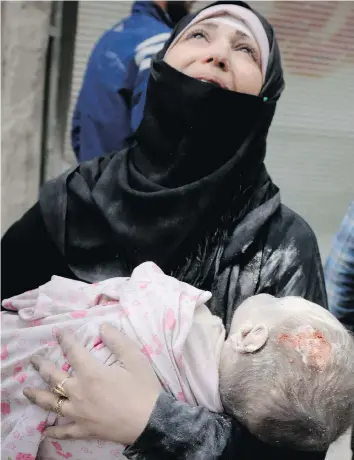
x,y
112,403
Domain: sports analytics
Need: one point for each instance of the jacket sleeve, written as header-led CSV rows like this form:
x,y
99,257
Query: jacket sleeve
x,y
101,120
339,272
178,431
292,264
29,257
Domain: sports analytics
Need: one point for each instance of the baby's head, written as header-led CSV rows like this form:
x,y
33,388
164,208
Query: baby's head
x,y
287,372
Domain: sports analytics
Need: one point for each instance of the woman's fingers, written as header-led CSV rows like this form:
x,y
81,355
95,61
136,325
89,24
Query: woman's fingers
x,y
46,400
49,371
131,359
70,431
101,398
78,356
126,351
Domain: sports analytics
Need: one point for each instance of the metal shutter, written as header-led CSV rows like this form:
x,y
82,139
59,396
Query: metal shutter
x,y
94,17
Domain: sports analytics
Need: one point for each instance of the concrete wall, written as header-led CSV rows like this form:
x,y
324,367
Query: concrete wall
x,y
24,33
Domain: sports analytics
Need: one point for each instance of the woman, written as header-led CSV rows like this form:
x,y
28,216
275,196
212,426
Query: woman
x,y
193,195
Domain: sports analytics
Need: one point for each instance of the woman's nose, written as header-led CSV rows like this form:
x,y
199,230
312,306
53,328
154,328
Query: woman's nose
x,y
218,61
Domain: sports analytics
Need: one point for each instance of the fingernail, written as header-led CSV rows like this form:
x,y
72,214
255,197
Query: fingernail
x,y
27,393
35,361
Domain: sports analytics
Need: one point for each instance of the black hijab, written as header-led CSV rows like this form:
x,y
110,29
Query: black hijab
x,y
191,182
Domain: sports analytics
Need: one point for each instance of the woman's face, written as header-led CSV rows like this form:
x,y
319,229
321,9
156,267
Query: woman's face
x,y
220,54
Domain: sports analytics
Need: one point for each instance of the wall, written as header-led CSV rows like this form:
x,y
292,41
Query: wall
x,y
25,32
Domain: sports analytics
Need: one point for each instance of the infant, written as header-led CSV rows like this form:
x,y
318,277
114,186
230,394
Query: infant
x,y
286,370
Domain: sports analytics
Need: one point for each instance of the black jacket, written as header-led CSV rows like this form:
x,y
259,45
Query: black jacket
x,y
290,265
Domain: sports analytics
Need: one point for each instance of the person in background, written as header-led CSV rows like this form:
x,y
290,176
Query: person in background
x,y
339,275
339,272
111,100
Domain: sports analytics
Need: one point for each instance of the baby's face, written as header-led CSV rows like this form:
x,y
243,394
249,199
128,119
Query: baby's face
x,y
268,310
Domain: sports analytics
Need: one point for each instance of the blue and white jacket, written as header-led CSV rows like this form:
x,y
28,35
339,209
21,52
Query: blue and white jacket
x,y
111,100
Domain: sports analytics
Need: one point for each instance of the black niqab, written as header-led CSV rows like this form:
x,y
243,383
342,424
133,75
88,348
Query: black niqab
x,y
177,196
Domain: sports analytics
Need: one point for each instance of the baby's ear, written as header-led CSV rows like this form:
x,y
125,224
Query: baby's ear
x,y
249,338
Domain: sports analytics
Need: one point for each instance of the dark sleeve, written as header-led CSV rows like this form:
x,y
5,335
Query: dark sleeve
x,y
292,265
29,257
178,431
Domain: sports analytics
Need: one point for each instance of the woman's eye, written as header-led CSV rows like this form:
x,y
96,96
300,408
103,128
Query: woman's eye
x,y
245,49
249,50
197,34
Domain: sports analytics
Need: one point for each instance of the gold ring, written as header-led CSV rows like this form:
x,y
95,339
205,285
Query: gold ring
x,y
59,406
59,389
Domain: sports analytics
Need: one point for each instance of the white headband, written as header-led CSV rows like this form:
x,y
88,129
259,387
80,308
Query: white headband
x,y
235,23
242,19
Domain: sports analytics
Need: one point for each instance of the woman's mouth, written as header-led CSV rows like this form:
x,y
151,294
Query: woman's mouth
x,y
213,81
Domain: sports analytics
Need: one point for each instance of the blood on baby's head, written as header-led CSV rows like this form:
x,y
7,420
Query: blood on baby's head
x,y
314,349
